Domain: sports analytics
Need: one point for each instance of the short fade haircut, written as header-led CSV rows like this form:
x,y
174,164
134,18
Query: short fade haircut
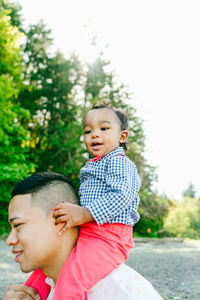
x,y
47,189
123,118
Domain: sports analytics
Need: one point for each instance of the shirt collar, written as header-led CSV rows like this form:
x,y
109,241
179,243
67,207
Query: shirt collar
x,y
50,282
117,151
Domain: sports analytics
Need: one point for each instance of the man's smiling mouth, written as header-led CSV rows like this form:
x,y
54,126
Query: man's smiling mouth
x,y
19,254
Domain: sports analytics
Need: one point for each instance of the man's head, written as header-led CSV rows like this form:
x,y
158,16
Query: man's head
x,y
46,189
34,233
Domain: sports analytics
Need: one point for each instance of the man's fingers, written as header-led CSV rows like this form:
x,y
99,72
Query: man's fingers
x,y
11,295
32,292
16,287
22,292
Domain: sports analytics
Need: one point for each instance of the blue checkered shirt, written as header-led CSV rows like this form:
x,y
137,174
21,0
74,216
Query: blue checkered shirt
x,y
109,189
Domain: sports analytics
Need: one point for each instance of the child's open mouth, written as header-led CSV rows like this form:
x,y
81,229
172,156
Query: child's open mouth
x,y
96,146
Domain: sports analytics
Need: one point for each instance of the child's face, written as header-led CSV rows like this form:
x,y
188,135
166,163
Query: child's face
x,y
102,131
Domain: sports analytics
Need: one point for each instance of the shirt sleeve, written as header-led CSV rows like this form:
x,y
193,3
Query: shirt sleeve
x,y
123,183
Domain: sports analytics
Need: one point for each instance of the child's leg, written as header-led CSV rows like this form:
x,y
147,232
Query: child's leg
x,y
99,250
37,281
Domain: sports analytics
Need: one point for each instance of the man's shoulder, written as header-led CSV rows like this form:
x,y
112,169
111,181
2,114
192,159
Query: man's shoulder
x,y
123,283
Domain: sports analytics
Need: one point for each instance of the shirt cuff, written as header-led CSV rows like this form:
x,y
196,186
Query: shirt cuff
x,y
100,216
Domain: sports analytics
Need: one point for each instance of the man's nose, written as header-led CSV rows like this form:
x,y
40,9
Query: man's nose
x,y
12,238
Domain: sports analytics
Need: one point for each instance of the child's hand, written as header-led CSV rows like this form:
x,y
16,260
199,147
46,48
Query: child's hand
x,y
71,215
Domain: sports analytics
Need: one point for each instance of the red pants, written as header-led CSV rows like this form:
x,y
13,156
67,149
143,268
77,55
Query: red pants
x,y
99,250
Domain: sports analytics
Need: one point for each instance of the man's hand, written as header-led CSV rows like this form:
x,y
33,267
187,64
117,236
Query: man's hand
x,y
21,292
71,215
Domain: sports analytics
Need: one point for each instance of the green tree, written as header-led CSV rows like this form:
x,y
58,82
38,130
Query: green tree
x,y
49,92
57,92
183,219
62,149
190,191
153,207
13,10
14,160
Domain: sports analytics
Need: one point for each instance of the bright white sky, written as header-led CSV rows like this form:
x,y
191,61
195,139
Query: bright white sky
x,y
154,47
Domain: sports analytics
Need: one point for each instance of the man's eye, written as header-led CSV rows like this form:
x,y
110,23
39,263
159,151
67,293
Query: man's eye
x,y
17,225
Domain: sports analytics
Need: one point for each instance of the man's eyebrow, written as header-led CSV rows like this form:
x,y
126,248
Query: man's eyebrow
x,y
12,219
101,121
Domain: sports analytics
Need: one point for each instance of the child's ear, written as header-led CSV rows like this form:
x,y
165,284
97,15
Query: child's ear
x,y
124,136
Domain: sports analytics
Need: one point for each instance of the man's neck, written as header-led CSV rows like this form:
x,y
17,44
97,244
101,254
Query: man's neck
x,y
65,246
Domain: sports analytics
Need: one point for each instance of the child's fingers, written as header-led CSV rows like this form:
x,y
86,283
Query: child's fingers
x,y
61,219
69,224
60,205
59,212
62,229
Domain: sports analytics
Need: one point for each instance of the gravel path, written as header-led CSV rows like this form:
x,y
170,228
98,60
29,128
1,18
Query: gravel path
x,y
173,267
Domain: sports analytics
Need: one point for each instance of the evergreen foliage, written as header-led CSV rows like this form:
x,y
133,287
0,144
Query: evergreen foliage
x,y
183,219
14,150
190,191
43,100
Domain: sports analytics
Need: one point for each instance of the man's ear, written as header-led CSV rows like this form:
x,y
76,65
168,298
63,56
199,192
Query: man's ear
x,y
124,136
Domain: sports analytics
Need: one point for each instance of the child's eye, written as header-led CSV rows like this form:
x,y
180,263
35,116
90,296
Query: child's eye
x,y
87,131
104,128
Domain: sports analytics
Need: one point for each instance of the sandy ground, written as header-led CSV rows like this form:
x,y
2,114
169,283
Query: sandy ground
x,y
172,266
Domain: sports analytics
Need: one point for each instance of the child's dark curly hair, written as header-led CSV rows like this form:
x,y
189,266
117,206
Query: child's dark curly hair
x,y
120,114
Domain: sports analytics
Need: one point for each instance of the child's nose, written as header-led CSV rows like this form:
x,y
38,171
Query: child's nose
x,y
96,133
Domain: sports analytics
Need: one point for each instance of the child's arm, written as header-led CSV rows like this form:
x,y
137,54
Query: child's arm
x,y
71,215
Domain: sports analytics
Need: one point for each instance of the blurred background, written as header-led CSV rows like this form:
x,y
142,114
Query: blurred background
x,y
58,57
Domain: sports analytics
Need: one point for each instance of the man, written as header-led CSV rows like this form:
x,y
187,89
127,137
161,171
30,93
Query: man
x,y
37,244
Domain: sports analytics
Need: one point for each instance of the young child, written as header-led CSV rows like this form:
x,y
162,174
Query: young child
x,y
109,185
